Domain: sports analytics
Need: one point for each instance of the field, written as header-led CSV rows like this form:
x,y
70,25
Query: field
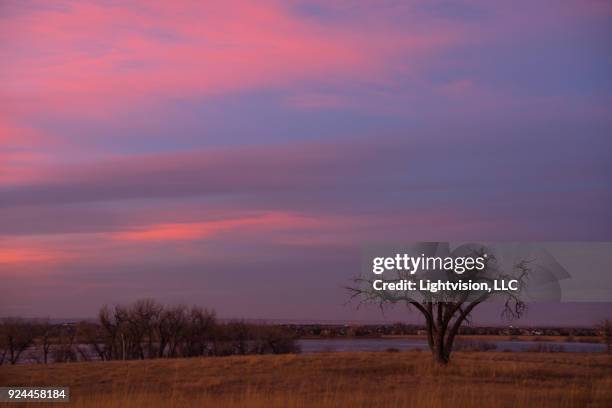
x,y
387,379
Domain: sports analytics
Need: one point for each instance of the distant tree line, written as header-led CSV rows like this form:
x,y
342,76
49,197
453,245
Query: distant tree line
x,y
145,329
313,330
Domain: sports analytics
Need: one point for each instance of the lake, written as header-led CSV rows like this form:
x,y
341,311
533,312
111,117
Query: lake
x,y
382,344
378,344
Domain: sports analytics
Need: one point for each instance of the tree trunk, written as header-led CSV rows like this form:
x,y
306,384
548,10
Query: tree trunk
x,y
441,354
122,347
441,333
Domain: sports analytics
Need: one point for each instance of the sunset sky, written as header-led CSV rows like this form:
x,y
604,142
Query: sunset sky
x,y
237,154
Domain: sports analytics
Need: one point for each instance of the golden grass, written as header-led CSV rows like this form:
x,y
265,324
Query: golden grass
x,y
332,380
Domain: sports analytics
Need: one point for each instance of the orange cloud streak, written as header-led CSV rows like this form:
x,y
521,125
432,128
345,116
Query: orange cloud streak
x,y
29,255
200,230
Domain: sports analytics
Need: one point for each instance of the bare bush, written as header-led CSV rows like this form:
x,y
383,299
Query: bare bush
x,y
16,336
473,345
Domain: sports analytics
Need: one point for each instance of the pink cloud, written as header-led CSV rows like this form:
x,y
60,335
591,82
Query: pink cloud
x,y
92,57
21,255
17,137
21,152
198,230
26,258
19,167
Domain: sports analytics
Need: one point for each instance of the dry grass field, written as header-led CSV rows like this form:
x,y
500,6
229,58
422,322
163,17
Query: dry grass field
x,y
491,379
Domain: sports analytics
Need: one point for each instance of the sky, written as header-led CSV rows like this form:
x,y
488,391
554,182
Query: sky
x,y
238,154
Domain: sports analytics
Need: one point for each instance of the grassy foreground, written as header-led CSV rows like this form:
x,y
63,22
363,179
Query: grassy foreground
x,y
488,379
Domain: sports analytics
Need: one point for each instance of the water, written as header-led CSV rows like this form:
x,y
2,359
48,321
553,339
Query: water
x,y
343,345
382,344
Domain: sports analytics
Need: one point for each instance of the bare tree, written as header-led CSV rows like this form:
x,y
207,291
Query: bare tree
x,y
199,332
46,333
274,340
240,335
16,336
446,311
126,330
95,339
162,332
3,350
141,318
146,314
65,349
175,324
111,335
147,329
